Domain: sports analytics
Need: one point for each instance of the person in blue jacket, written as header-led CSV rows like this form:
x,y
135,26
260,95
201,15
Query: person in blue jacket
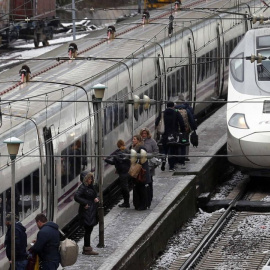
x,y
47,243
20,243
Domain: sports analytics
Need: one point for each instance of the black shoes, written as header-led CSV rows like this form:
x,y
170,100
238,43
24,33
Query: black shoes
x,y
124,205
187,159
163,166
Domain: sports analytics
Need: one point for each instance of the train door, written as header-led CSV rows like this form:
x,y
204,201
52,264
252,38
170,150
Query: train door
x,y
191,71
220,62
49,171
160,95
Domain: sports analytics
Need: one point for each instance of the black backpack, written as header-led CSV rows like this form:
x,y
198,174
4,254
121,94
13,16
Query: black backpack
x,y
194,139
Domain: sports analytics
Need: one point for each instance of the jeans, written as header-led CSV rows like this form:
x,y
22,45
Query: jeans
x,y
44,265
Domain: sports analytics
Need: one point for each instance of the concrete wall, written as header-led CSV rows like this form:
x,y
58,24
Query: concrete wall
x,y
154,240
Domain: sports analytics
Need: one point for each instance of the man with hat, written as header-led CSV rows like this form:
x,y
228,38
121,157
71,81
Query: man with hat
x,y
20,243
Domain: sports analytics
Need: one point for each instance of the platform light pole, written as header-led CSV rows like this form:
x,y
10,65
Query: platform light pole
x,y
99,94
13,145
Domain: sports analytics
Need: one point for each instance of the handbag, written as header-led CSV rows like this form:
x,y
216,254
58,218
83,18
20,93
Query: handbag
x,y
154,162
33,261
134,169
194,139
161,125
141,178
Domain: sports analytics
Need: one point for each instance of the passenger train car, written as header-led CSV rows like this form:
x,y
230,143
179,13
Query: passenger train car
x,y
55,114
248,104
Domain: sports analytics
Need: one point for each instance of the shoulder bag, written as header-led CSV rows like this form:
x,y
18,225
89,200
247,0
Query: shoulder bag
x,y
161,125
134,169
141,178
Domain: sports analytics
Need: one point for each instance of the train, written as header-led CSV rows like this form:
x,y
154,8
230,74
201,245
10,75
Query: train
x,y
56,113
248,104
30,20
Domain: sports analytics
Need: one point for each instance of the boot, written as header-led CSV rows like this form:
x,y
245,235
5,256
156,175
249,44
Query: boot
x,y
89,251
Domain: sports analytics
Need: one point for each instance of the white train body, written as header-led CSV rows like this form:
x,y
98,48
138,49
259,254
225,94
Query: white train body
x,y
54,113
248,111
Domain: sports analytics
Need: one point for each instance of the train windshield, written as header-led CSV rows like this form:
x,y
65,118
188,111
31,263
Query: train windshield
x,y
263,68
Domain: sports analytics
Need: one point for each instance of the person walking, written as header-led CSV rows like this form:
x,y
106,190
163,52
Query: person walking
x,y
47,243
173,122
121,161
20,243
140,199
86,196
151,147
189,119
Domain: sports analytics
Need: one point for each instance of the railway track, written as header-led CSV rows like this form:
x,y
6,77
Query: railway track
x,y
233,238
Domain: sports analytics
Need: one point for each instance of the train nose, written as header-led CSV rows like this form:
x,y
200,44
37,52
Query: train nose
x,y
256,148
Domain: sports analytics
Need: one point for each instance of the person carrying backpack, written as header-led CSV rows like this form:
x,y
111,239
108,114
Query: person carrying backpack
x,y
121,161
187,114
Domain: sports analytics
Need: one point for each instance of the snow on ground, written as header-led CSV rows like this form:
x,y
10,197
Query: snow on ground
x,y
223,190
181,241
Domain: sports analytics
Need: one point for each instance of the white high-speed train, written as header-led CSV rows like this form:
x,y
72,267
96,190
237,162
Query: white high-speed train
x,y
248,107
55,116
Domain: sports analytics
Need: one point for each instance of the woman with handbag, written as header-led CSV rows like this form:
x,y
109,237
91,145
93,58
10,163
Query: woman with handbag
x,y
140,199
86,196
151,147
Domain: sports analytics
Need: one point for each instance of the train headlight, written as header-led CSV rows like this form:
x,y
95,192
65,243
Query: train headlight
x,y
238,120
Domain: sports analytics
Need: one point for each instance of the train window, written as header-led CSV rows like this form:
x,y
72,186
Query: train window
x,y
115,114
182,80
174,88
198,70
237,68
169,87
263,42
141,110
136,116
72,162
108,116
155,97
263,68
211,62
178,81
207,60
27,199
203,68
215,60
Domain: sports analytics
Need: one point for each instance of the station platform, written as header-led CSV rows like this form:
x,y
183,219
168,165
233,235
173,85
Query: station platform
x,y
134,238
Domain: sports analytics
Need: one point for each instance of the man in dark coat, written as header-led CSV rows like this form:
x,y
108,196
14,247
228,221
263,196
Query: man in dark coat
x,y
20,243
122,166
47,243
173,122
